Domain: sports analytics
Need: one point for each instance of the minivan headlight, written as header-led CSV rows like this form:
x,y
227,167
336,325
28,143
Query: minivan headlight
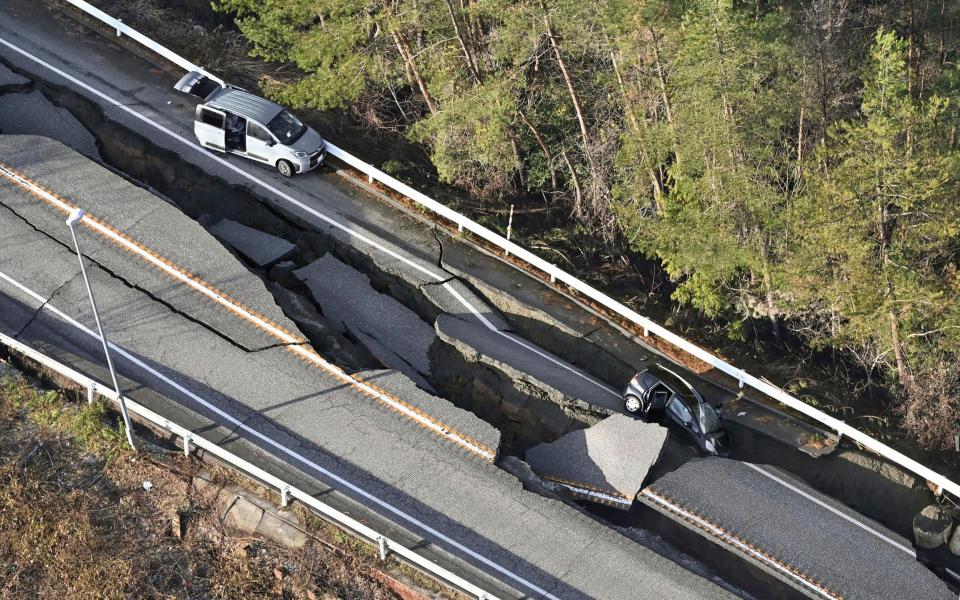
x,y
301,154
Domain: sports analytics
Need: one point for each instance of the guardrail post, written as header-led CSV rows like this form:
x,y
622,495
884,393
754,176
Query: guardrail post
x,y
186,444
118,27
369,178
459,228
382,543
91,390
509,227
285,496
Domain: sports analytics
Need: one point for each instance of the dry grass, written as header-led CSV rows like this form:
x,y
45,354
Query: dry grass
x,y
76,522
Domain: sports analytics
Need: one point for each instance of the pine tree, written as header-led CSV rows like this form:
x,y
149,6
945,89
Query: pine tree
x,y
878,233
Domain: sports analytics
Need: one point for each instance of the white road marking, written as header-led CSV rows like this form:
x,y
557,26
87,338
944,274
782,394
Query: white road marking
x,y
839,513
329,220
281,448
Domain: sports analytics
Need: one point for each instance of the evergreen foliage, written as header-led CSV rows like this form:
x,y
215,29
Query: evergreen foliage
x,y
793,163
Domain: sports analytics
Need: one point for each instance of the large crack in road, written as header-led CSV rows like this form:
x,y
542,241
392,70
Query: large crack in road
x,y
525,414
519,413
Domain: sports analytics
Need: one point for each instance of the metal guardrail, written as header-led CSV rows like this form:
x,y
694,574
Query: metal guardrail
x,y
386,545
556,274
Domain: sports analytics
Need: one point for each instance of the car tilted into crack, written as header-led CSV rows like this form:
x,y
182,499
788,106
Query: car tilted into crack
x,y
658,393
233,120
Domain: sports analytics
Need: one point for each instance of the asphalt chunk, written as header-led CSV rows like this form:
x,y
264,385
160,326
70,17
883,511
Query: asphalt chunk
x,y
261,248
612,457
347,299
31,112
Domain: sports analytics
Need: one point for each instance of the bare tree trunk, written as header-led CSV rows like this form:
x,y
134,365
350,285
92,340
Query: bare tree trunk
x,y
474,27
635,123
518,161
403,47
575,180
661,76
768,295
903,368
543,146
664,95
568,80
799,145
471,62
900,357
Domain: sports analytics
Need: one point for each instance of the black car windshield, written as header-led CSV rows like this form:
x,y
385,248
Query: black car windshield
x,y
709,421
286,127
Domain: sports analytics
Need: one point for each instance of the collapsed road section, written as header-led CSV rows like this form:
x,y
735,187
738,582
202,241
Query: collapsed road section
x,y
399,272
173,341
818,547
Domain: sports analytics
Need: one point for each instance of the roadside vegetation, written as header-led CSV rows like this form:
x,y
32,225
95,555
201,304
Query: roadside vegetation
x,y
785,171
76,520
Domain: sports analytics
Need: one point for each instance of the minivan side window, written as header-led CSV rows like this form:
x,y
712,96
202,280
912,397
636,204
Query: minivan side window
x,y
211,118
257,132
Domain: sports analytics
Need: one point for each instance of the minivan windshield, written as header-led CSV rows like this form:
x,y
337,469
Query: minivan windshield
x,y
286,127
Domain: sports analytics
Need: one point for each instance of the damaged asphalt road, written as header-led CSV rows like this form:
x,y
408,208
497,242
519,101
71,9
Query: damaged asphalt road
x,y
392,265
398,257
452,498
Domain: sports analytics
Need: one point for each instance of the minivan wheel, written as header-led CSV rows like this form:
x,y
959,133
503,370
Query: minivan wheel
x,y
632,404
285,168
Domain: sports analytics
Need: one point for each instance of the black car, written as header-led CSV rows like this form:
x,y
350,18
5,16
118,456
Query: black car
x,y
659,393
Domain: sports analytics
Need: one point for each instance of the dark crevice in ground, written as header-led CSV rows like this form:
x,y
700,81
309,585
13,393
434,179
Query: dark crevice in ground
x,y
489,394
436,236
37,312
441,282
208,199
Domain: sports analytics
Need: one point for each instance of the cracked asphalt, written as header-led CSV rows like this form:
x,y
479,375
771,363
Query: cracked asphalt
x,y
297,411
466,499
820,538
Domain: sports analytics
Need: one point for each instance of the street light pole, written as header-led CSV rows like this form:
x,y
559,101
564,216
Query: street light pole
x,y
75,217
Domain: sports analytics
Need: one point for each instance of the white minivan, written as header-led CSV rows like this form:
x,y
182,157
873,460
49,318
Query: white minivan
x,y
233,120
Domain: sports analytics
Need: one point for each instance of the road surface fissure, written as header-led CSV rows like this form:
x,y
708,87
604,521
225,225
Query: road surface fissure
x,y
288,340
